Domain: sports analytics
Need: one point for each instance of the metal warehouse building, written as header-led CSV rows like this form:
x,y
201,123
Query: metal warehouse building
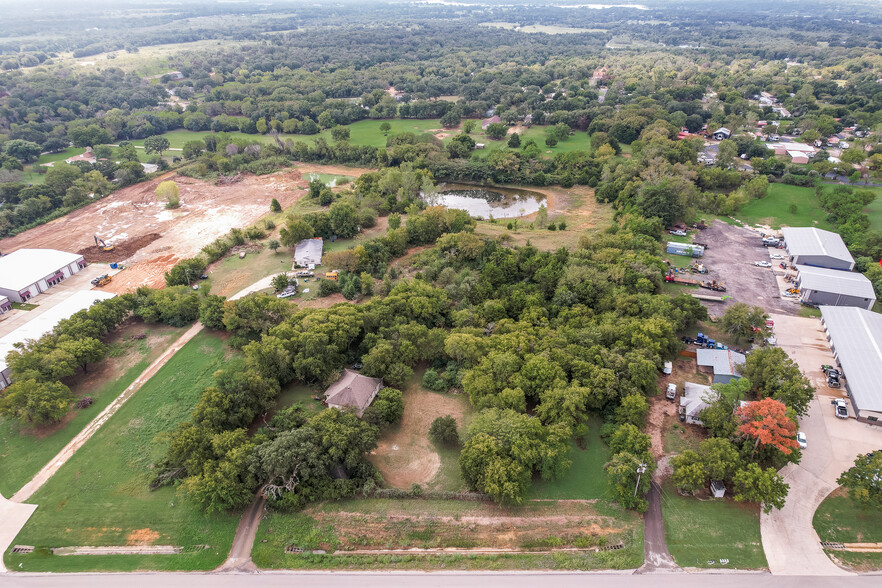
x,y
44,323
855,337
822,286
811,246
28,272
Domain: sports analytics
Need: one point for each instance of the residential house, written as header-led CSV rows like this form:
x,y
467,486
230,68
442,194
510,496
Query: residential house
x,y
721,133
721,363
489,121
353,391
695,399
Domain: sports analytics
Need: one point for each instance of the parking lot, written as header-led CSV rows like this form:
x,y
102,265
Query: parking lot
x,y
729,258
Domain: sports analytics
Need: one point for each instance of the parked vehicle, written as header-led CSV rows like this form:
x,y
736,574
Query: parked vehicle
x,y
678,233
840,407
287,292
800,438
671,392
669,367
771,241
762,264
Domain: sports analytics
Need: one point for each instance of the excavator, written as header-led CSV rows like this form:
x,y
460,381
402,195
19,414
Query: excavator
x,y
104,246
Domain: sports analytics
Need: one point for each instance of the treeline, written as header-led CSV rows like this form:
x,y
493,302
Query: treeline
x,y
38,395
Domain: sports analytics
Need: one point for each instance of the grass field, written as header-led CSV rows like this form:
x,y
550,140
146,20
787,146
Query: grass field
x,y
839,518
701,531
380,524
22,455
101,496
586,478
775,209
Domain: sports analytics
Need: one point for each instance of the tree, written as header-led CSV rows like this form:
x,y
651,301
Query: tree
x,y
773,374
514,141
289,461
85,350
629,439
211,312
273,245
156,144
864,480
633,409
344,220
853,155
443,431
566,406
468,126
169,190
25,151
280,282
689,473
193,149
496,131
450,119
728,151
385,127
275,206
36,403
340,133
62,176
767,422
743,320
386,409
294,231
622,469
767,487
719,417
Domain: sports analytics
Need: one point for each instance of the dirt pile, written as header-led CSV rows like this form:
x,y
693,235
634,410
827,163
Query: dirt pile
x,y
121,251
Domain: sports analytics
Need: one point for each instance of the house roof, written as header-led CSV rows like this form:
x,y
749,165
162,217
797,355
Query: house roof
x,y
353,390
24,267
856,335
309,251
722,360
798,154
835,281
723,130
693,398
44,323
811,241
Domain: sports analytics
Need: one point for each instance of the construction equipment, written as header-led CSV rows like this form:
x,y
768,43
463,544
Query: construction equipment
x,y
673,277
697,268
794,291
102,280
332,275
104,246
713,285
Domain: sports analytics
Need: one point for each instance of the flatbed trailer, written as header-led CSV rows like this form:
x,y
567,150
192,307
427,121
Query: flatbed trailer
x,y
710,297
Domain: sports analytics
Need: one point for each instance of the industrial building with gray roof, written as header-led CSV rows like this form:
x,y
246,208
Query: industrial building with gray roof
x,y
822,286
817,247
855,337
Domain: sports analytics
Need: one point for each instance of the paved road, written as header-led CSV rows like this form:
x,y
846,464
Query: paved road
x,y
791,544
427,580
656,556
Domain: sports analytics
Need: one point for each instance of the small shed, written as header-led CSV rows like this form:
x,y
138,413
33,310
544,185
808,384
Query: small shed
x,y
717,488
687,249
353,391
309,252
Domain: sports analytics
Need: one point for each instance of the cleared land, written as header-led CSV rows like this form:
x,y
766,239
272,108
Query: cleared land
x,y
207,212
372,529
775,210
24,452
699,533
406,456
101,496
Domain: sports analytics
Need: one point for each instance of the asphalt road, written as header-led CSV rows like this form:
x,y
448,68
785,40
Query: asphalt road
x,y
426,580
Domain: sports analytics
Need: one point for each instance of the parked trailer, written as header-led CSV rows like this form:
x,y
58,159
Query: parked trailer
x,y
678,280
688,249
710,297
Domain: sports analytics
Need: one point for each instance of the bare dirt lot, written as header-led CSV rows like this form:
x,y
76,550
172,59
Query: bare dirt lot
x,y
131,218
729,258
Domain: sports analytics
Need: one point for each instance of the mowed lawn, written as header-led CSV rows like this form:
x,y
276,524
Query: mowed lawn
x,y
101,496
775,209
586,478
841,519
698,532
23,454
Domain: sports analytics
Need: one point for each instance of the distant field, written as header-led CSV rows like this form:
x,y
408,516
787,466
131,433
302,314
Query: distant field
x,y
775,209
101,496
548,29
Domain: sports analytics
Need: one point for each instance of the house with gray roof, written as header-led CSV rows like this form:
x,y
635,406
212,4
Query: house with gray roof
x,y
821,286
721,363
695,399
309,252
855,336
353,391
817,247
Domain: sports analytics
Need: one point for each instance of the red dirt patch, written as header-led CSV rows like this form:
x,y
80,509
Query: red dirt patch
x,y
142,537
121,251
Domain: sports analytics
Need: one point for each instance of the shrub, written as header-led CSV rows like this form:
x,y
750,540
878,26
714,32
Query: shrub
x,y
328,287
443,431
275,206
433,381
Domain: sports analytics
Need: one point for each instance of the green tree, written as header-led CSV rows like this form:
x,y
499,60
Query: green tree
x,y
773,374
385,127
514,141
728,151
169,190
743,320
386,409
468,126
36,403
344,220
623,473
340,133
273,245
864,480
193,149
444,431
719,418
496,131
156,144
689,473
633,409
450,119
275,206
294,231
764,486
280,282
25,151
211,312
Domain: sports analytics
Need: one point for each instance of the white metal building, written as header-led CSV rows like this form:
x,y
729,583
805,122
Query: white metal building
x,y
811,246
855,337
821,286
28,272
5,304
44,323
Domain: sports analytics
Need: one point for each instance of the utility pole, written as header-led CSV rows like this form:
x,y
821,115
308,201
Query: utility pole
x,y
640,469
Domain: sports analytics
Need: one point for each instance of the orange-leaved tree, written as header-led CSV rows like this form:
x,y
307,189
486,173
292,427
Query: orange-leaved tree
x,y
766,420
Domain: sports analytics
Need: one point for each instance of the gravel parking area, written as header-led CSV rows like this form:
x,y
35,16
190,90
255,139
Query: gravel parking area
x,y
729,258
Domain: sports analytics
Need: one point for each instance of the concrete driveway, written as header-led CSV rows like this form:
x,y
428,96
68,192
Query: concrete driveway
x,y
792,547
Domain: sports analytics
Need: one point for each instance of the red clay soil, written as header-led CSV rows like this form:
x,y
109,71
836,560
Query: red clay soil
x,y
130,217
121,251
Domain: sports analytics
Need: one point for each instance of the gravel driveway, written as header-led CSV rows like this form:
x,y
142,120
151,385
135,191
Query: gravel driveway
x,y
729,258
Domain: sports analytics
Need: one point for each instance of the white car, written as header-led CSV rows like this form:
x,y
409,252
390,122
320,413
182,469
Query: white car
x,y
287,292
762,264
776,256
841,408
678,233
800,438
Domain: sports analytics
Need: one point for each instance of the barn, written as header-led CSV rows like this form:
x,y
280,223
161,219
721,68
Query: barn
x,y
821,286
855,336
44,323
28,272
816,247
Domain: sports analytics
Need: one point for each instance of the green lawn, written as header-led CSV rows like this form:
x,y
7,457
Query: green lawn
x,y
775,209
61,155
700,531
586,478
23,455
24,306
841,519
874,210
101,496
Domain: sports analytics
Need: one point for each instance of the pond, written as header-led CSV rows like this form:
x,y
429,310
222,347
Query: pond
x,y
487,201
329,180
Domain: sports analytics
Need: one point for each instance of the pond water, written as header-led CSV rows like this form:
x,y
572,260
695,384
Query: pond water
x,y
329,180
487,201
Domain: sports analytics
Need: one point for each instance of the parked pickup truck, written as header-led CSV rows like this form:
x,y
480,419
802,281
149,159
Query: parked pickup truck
x,y
671,393
840,407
